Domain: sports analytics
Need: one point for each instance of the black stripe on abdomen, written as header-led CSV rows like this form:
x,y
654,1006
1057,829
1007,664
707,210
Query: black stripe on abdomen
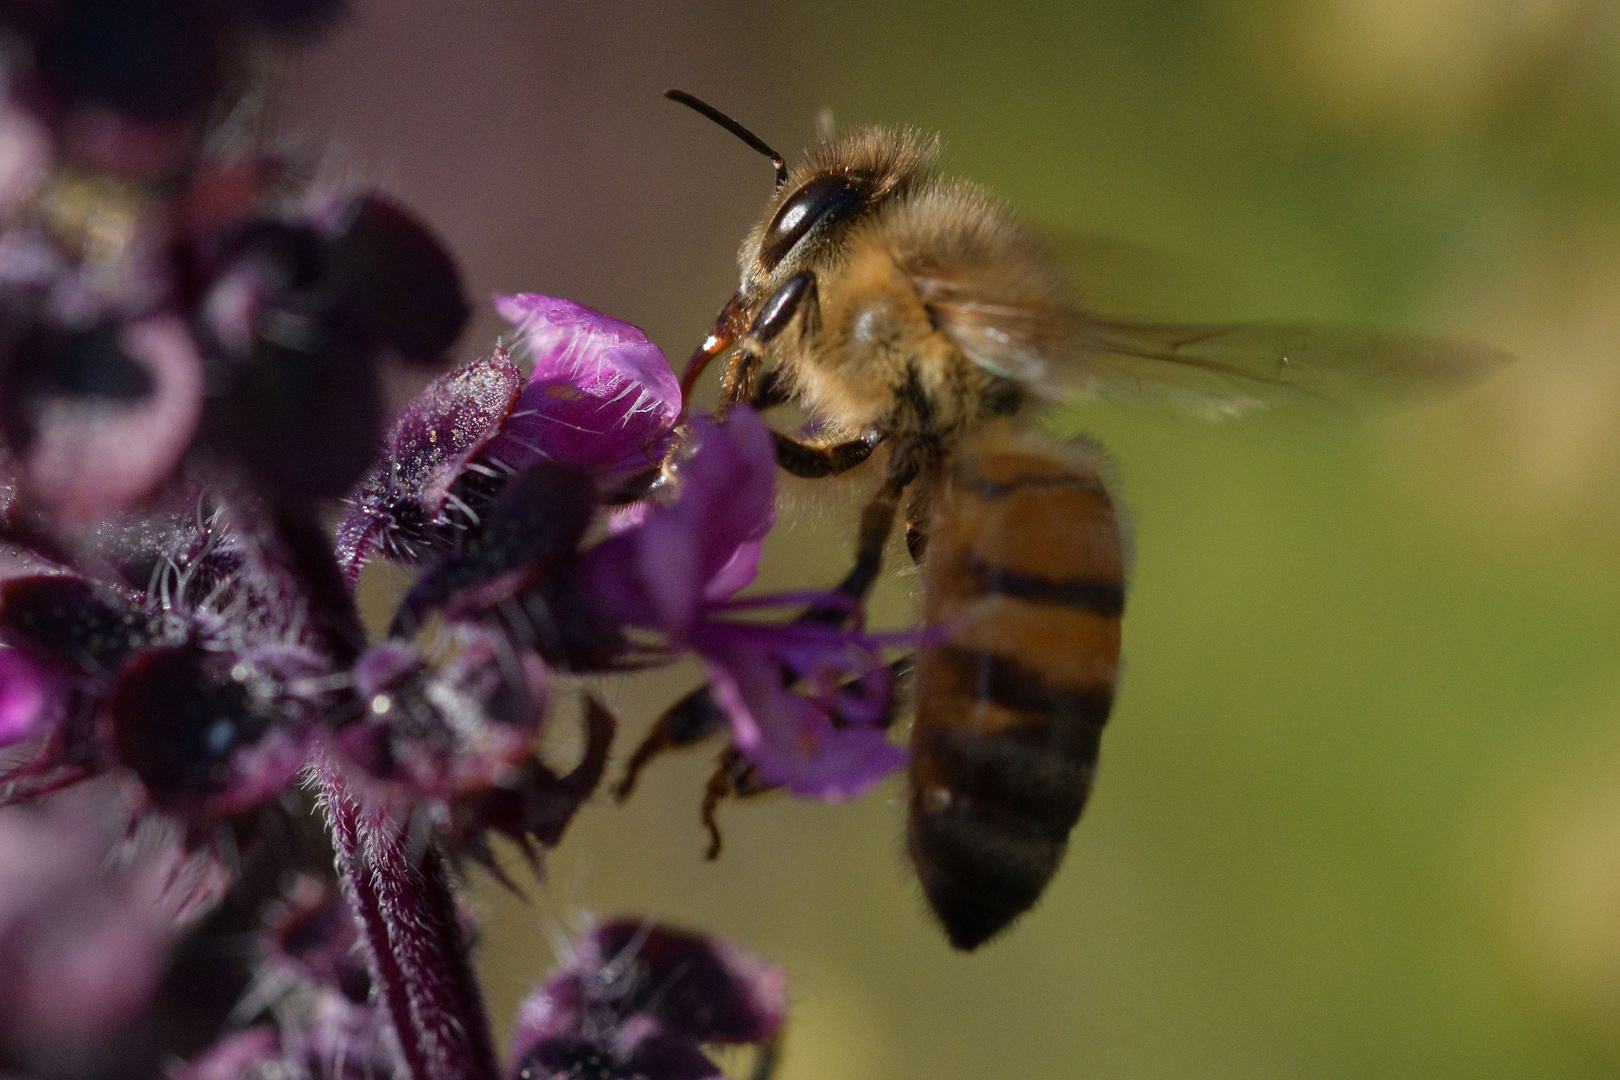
x,y
1002,680
1087,594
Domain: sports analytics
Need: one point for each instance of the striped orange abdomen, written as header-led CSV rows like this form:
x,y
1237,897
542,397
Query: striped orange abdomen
x,y
1025,581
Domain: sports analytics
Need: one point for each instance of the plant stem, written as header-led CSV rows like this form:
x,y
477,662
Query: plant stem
x,y
402,899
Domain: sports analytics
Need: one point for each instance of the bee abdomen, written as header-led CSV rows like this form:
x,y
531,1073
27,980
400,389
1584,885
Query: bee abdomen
x,y
1026,588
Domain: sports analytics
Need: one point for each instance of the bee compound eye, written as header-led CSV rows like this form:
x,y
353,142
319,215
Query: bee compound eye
x,y
825,199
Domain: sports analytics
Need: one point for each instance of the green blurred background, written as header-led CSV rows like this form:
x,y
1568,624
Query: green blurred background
x,y
1358,812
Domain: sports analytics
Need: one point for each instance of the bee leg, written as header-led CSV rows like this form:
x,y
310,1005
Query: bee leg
x,y
917,512
690,720
812,462
774,317
767,1058
900,672
734,777
877,521
740,379
797,293
770,390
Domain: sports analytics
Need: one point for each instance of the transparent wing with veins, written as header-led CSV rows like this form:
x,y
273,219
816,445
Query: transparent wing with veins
x,y
1214,369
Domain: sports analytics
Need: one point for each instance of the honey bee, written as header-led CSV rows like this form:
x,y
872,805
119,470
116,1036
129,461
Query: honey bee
x,y
900,308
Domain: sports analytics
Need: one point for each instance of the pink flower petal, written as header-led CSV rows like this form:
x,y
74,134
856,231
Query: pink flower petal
x,y
601,394
789,736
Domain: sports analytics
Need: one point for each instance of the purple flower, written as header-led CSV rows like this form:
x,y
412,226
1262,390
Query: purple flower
x,y
299,316
806,701
637,999
206,686
823,736
601,395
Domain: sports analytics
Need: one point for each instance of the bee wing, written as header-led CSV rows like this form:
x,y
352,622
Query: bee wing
x,y
1014,340
1232,369
1214,369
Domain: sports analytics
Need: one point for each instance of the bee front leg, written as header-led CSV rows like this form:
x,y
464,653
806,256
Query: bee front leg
x,y
771,389
797,295
741,379
812,461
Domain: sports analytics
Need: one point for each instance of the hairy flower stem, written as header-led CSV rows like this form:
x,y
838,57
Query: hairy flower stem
x,y
414,941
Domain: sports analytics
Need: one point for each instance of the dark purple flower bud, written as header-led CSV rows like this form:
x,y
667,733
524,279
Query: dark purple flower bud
x,y
153,59
705,989
313,936
601,395
535,522
297,400
404,505
531,804
432,732
196,732
655,1058
637,999
397,281
301,315
70,621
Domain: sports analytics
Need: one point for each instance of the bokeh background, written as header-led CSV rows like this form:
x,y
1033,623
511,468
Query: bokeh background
x,y
1359,806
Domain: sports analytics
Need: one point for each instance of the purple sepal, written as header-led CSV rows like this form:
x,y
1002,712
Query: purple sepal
x,y
601,395
431,442
637,999
654,1058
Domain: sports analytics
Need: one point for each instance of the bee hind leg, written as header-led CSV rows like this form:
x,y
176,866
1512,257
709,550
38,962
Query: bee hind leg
x,y
690,720
734,777
742,381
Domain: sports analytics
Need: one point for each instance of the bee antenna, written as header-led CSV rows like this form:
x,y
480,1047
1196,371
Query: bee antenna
x,y
698,105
